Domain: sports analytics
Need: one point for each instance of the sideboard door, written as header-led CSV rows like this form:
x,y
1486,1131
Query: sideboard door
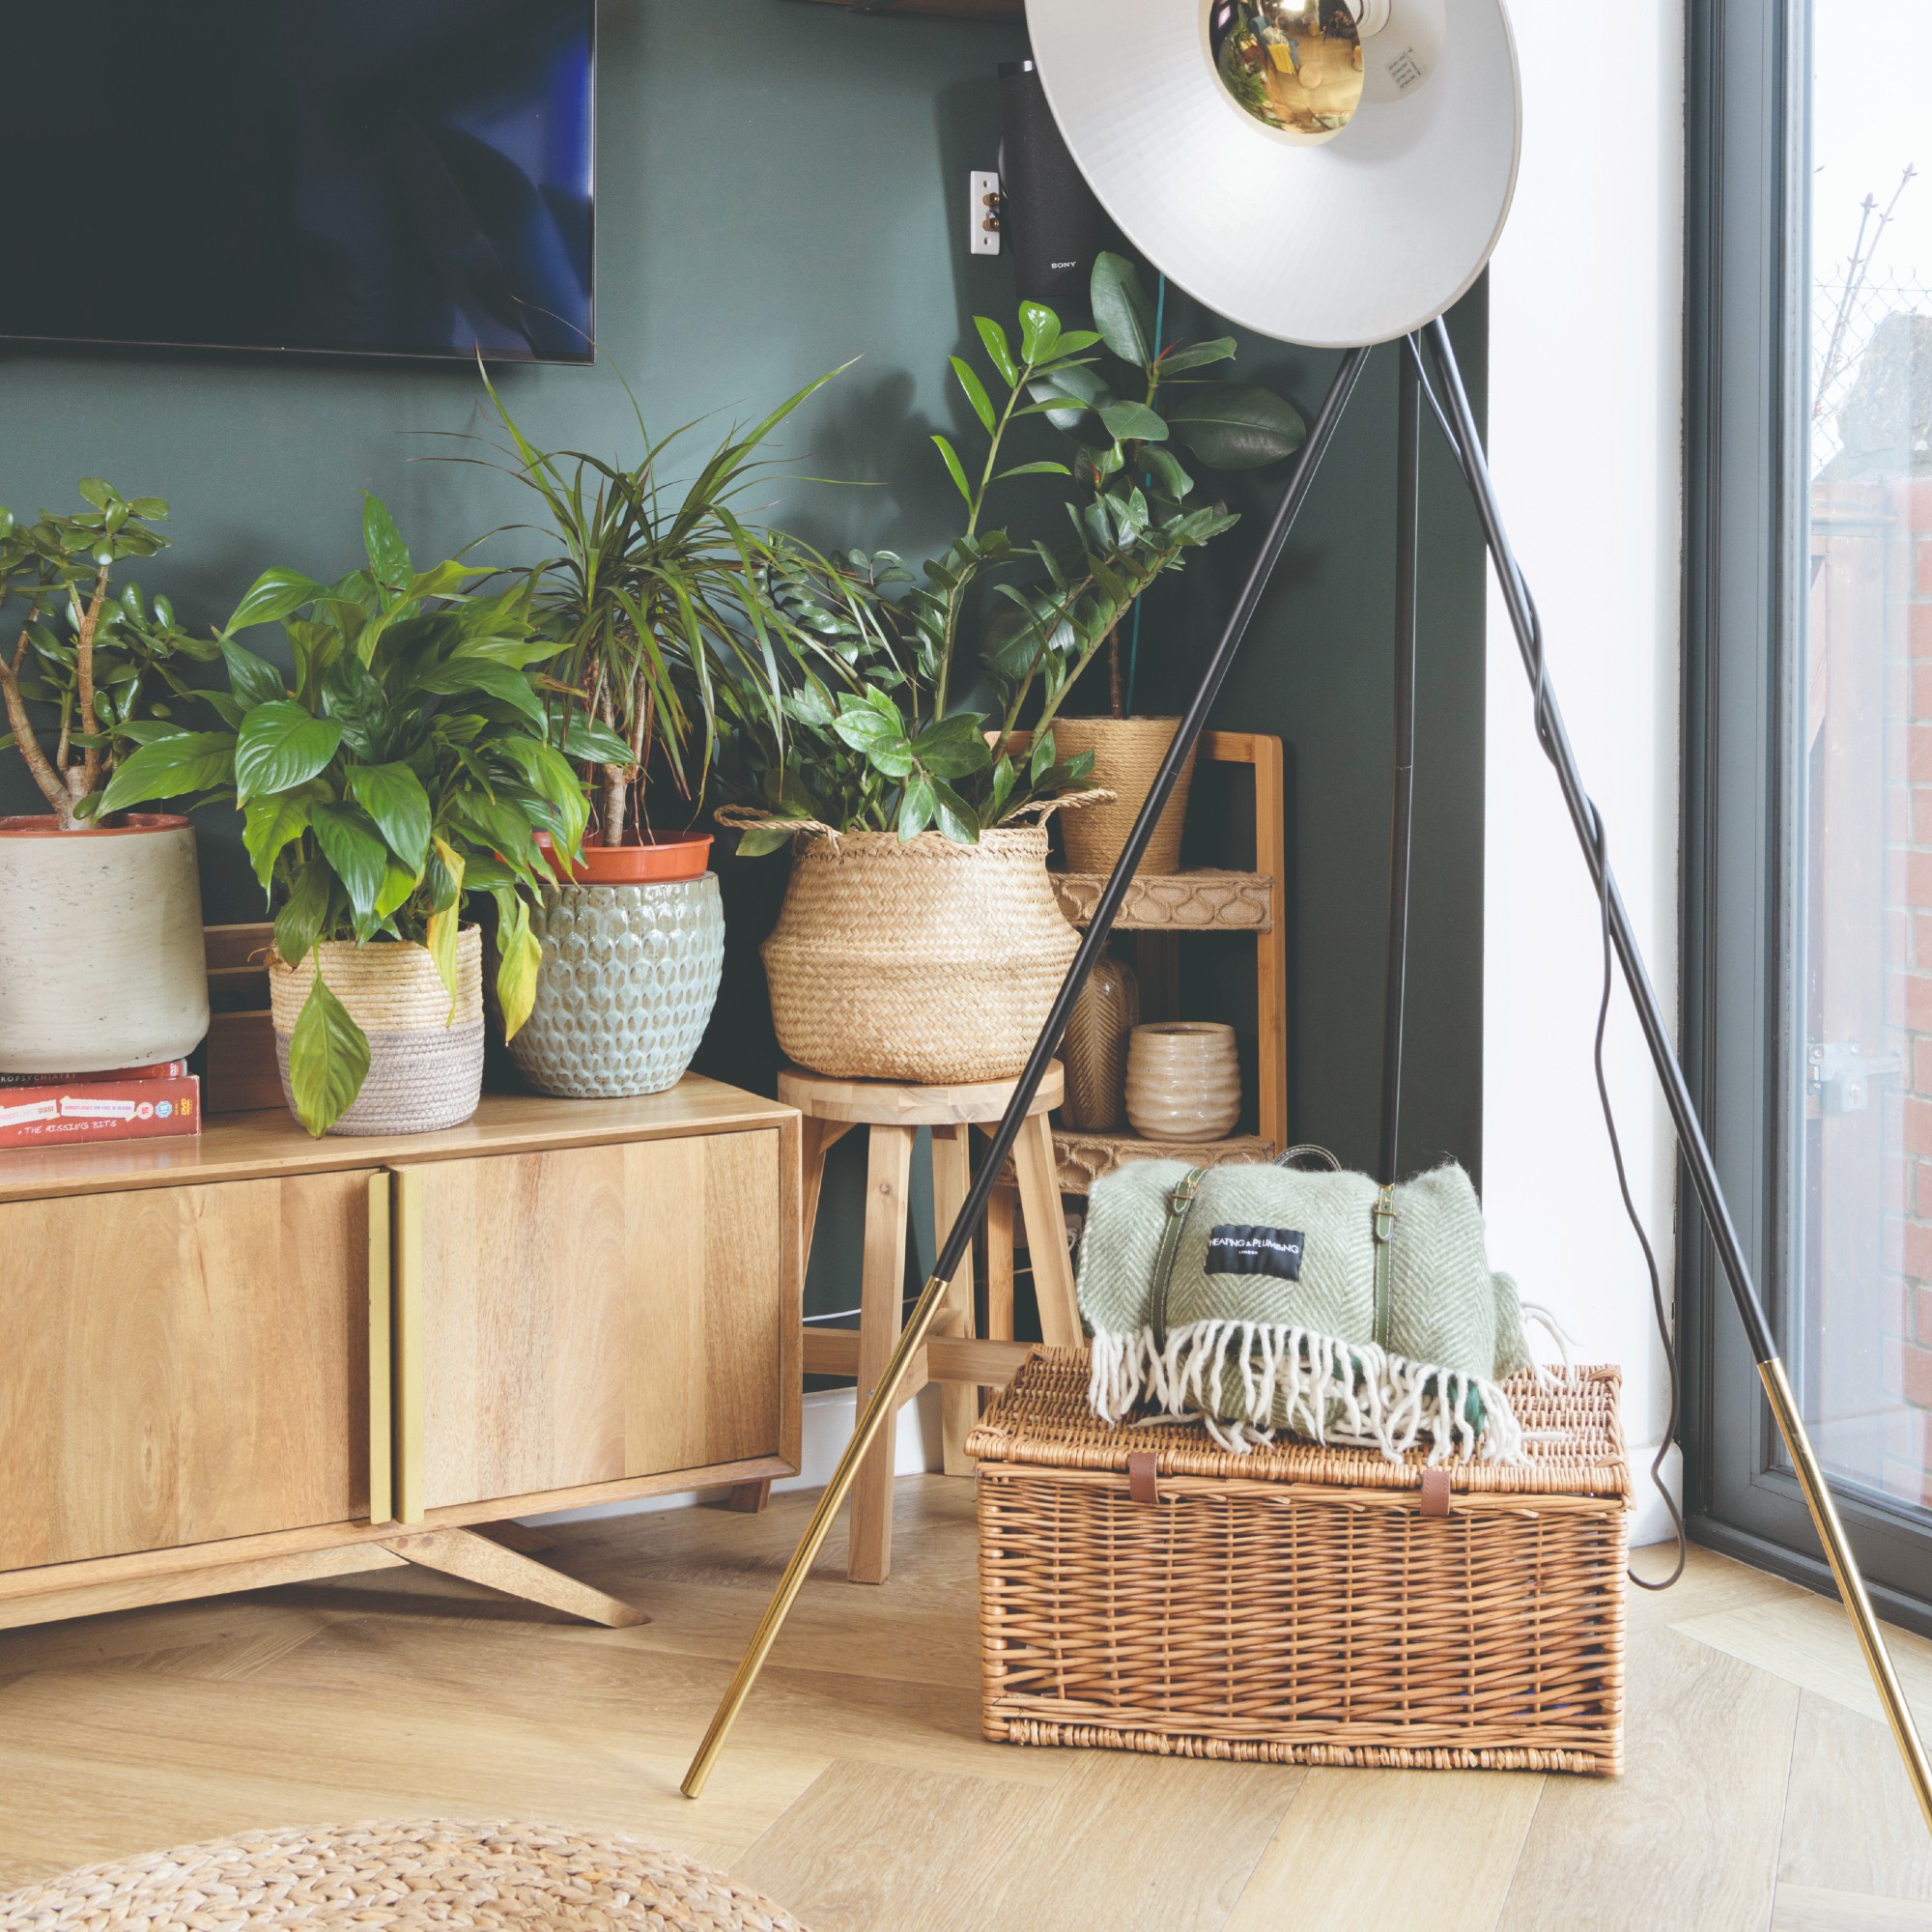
x,y
181,1364
588,1315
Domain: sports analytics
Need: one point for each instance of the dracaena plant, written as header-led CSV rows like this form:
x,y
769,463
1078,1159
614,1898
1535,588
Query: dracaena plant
x,y
657,587
873,734
92,671
401,770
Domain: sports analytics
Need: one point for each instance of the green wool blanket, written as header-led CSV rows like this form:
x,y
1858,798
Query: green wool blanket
x,y
1262,1298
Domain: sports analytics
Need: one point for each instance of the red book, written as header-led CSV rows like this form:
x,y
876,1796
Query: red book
x,y
162,1070
93,1110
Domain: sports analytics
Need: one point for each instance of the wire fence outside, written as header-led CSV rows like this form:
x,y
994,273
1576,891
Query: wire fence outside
x,y
1846,313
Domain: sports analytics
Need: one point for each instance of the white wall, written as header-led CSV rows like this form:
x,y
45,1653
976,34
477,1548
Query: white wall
x,y
1585,439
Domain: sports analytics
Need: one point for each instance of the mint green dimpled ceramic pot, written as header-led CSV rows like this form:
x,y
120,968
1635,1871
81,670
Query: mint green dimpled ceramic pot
x,y
630,975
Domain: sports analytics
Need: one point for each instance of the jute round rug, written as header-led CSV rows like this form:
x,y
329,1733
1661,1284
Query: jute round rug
x,y
530,1877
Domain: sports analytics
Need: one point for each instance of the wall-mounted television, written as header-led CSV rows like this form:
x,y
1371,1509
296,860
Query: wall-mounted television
x,y
381,177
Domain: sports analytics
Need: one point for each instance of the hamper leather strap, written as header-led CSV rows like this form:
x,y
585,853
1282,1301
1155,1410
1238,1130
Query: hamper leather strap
x,y
1178,1205
1384,1228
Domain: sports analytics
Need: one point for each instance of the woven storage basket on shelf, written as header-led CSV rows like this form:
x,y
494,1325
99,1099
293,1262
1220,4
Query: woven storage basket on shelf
x,y
425,1060
926,961
1296,1604
1126,755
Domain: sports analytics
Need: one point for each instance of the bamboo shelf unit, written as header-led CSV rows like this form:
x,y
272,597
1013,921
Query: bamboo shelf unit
x,y
1162,908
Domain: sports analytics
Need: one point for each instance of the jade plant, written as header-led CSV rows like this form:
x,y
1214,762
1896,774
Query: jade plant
x,y
883,728
92,672
401,770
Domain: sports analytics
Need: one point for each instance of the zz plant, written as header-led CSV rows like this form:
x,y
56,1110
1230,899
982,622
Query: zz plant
x,y
400,771
883,728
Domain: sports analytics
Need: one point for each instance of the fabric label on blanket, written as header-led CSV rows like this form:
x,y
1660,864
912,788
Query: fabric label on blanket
x,y
1234,1249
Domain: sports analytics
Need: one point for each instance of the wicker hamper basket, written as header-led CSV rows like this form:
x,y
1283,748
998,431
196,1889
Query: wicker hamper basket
x,y
1303,1605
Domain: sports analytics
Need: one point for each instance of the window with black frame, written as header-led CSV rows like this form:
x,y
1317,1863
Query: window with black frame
x,y
1809,769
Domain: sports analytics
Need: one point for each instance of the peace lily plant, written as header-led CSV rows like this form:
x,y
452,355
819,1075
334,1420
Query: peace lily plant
x,y
396,776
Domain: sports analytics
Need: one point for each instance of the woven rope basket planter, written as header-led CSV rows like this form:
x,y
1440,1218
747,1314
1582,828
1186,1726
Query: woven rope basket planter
x,y
925,961
1126,755
499,1878
425,1064
1303,1605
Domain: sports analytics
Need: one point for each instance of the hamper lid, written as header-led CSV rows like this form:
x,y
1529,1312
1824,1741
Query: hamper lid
x,y
1574,1440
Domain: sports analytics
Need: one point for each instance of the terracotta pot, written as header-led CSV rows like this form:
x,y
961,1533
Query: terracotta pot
x,y
1184,1081
101,959
1126,755
661,858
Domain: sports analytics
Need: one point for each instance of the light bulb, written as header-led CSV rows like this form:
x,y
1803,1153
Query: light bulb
x,y
1294,66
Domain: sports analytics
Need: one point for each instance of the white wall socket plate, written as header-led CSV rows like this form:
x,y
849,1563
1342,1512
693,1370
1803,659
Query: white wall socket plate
x,y
984,217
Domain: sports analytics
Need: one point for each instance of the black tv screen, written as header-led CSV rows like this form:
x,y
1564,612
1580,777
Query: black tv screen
x,y
384,177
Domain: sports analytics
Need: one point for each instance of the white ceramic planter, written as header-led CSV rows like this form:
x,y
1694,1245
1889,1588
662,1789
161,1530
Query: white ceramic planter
x,y
101,959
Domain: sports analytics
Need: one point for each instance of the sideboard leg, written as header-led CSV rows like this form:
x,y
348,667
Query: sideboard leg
x,y
461,1552
749,1498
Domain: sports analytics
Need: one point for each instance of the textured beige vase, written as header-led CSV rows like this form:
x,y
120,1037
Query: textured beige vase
x,y
1126,755
1094,1051
101,960
425,1051
1184,1081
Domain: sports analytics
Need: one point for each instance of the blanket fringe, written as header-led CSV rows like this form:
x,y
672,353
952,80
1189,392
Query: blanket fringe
x,y
1329,1391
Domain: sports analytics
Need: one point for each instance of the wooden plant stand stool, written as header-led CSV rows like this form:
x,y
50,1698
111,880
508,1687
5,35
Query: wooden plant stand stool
x,y
894,1112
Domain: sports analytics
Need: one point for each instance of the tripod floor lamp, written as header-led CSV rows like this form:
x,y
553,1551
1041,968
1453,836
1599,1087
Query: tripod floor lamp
x,y
1333,173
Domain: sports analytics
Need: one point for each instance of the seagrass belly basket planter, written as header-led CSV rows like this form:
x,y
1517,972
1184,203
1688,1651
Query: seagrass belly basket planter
x,y
1143,1589
919,960
425,1049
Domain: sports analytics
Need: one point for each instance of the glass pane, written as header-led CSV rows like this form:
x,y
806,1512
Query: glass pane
x,y
1864,1307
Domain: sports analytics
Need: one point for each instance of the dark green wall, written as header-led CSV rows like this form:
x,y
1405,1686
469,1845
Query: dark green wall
x,y
779,189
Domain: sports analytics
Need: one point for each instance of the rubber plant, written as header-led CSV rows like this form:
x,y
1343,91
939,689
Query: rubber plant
x,y
398,771
93,673
657,588
874,733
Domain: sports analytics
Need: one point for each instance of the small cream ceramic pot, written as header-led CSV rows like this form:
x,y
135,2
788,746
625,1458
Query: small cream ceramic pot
x,y
1184,1081
101,959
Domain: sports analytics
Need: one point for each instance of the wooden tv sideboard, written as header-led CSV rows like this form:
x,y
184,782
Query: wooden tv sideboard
x,y
249,1357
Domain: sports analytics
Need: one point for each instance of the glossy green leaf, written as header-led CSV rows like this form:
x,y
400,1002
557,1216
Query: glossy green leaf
x,y
1040,331
356,853
975,392
954,816
1122,311
280,746
459,676
1165,472
954,468
268,824
998,349
253,680
1033,470
915,806
1197,356
394,798
354,699
173,766
953,747
388,556
1236,425
329,1058
1133,422
300,922
273,595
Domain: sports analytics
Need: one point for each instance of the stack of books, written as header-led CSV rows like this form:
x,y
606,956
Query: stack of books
x,y
124,1103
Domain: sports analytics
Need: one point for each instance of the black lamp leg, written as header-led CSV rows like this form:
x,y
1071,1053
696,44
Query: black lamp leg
x,y
1401,801
879,1404
1468,444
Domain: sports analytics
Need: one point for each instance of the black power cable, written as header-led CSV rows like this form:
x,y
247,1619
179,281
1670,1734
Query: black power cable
x,y
1600,842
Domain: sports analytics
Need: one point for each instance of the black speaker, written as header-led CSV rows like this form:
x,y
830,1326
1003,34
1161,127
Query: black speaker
x,y
1049,220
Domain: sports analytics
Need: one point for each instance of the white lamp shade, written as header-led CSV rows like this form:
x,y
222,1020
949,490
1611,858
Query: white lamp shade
x,y
1358,238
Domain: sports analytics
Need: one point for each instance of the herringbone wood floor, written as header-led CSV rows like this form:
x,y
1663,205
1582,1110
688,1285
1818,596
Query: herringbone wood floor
x,y
1761,1792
